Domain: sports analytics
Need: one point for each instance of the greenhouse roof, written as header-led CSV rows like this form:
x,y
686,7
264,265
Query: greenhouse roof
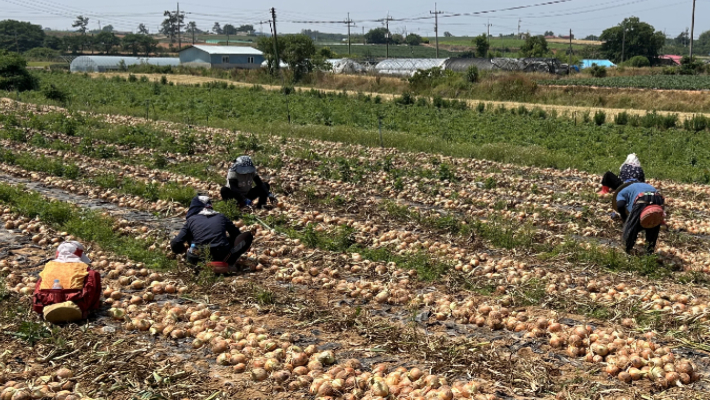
x,y
246,50
102,63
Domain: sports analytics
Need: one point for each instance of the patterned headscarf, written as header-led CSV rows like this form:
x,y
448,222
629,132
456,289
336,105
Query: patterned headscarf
x,y
632,160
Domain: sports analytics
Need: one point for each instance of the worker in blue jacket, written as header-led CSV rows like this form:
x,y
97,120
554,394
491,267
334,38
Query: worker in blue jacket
x,y
205,231
641,207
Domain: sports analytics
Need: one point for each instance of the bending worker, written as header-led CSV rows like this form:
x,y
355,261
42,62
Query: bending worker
x,y
630,171
205,231
68,289
244,184
641,207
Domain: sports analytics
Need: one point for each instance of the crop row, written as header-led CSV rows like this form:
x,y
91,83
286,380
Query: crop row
x,y
529,138
433,247
673,82
495,317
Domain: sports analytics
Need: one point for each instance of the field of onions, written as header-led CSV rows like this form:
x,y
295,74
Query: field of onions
x,y
381,274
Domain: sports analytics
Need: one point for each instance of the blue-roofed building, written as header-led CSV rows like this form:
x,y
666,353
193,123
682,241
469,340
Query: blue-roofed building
x,y
225,57
601,63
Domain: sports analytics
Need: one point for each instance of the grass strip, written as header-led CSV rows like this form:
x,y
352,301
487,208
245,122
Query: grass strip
x,y
85,224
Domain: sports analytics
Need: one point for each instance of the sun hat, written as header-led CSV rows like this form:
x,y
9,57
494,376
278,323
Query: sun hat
x,y
651,216
243,165
62,312
71,252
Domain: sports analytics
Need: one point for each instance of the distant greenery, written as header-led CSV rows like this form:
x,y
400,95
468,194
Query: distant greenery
x,y
14,74
680,82
523,136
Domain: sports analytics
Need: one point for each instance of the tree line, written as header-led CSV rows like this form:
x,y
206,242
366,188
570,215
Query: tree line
x,y
22,37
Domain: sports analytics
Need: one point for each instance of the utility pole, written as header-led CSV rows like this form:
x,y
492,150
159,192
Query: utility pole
x,y
17,44
350,23
569,61
436,27
276,44
363,36
178,22
692,29
519,21
387,36
623,42
488,32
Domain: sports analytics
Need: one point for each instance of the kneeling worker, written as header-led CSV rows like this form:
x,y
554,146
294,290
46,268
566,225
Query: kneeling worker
x,y
206,232
244,184
641,207
68,289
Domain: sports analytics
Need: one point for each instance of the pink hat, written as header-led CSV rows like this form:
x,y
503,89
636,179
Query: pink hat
x,y
71,252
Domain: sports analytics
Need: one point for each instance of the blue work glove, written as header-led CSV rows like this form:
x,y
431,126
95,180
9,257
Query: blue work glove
x,y
614,215
247,203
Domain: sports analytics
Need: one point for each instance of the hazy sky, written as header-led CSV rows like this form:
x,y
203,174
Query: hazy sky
x,y
585,17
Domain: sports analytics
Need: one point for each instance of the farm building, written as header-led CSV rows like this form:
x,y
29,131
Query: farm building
x,y
115,63
669,60
601,63
221,57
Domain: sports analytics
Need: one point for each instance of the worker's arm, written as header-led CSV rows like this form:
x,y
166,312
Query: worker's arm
x,y
260,183
232,230
621,208
178,243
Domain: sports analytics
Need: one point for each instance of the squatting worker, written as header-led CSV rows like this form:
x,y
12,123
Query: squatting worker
x,y
641,207
205,231
68,289
630,171
244,184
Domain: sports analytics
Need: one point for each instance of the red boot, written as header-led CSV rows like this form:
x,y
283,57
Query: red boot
x,y
605,190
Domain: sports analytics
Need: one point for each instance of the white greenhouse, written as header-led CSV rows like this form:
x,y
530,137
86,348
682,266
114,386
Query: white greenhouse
x,y
407,66
113,63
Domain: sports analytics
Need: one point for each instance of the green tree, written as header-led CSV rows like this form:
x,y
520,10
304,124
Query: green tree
x,y
106,41
413,39
534,46
81,23
702,45
217,28
170,24
20,36
54,43
142,29
107,28
229,29
482,45
192,30
377,36
14,74
132,43
148,45
295,50
246,28
640,39
41,54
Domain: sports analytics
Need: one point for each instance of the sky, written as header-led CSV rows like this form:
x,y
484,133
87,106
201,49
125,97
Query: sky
x,y
584,17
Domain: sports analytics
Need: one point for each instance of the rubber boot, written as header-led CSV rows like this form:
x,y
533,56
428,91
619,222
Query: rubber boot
x,y
605,190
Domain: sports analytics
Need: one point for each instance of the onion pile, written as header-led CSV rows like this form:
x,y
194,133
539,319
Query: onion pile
x,y
58,386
